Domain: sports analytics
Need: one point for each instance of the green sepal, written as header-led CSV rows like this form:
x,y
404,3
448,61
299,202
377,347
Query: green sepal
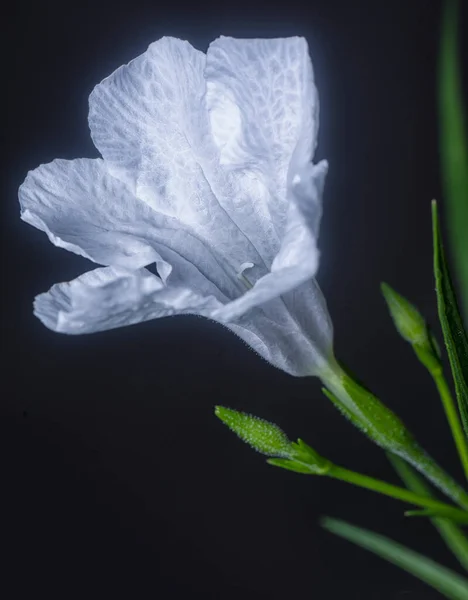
x,y
455,337
384,428
302,452
370,415
304,459
349,414
292,465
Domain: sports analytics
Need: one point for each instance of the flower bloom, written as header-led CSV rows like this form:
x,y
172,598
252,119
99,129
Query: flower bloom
x,y
206,172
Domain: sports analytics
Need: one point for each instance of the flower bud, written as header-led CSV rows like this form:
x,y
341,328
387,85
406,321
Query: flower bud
x,y
263,436
408,320
413,328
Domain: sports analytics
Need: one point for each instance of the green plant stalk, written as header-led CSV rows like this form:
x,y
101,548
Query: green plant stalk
x,y
449,532
394,491
453,418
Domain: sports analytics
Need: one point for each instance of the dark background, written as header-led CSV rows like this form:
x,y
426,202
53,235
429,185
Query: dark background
x,y
119,481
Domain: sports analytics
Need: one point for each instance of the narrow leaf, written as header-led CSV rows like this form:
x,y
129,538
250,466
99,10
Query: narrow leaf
x,y
446,581
434,514
454,145
455,337
448,531
426,512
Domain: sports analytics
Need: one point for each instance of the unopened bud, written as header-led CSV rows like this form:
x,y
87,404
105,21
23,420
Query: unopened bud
x,y
413,328
263,436
408,320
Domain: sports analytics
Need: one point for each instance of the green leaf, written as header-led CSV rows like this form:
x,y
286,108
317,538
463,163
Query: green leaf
x,y
454,145
263,436
455,337
452,535
434,514
426,512
446,581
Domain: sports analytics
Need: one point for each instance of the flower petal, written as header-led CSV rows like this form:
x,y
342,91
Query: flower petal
x,y
112,297
149,121
295,334
145,118
85,210
263,109
297,260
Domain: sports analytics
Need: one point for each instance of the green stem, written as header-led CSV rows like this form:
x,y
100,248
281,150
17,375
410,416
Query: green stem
x,y
451,412
394,491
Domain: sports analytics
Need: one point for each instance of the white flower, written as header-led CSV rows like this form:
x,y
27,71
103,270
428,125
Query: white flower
x,y
206,172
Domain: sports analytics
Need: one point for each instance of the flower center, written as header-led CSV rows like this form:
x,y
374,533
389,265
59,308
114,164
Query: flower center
x,y
242,277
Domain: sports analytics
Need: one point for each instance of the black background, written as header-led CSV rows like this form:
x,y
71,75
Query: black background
x,y
118,479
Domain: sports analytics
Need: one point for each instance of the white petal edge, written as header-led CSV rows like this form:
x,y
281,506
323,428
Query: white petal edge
x,y
263,109
82,208
112,297
262,101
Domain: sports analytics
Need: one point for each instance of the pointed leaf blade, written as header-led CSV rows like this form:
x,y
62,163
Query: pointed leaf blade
x,y
446,581
451,322
454,144
449,531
